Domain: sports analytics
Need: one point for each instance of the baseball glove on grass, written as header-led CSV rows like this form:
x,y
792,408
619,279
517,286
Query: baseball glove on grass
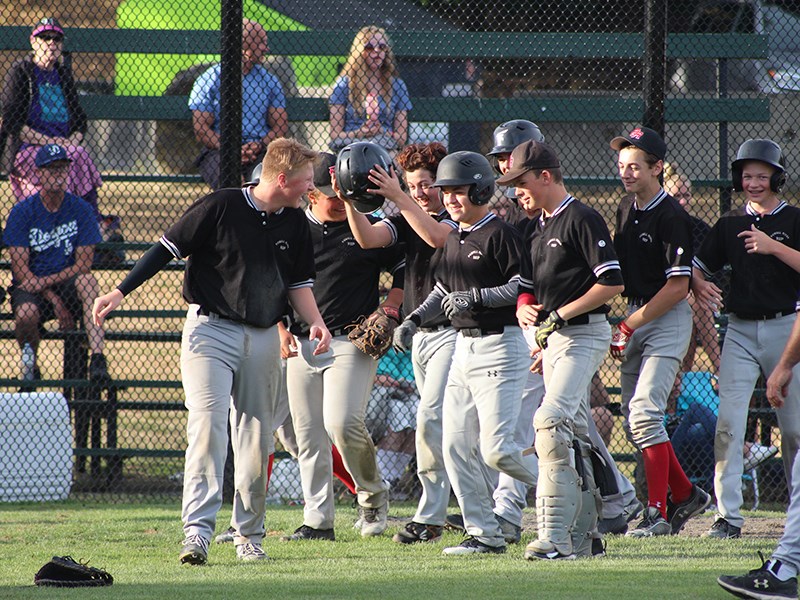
x,y
63,571
373,334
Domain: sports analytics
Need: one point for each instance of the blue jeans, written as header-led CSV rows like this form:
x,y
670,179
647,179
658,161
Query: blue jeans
x,y
693,442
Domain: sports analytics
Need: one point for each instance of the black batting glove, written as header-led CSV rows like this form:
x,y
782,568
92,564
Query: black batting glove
x,y
456,303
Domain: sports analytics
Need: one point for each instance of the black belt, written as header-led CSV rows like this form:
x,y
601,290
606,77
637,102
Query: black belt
x,y
204,312
433,328
764,316
583,319
480,331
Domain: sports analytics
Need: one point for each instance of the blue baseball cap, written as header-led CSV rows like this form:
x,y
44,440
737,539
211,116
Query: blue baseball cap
x,y
50,153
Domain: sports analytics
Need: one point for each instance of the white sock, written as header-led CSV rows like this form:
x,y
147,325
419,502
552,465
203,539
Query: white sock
x,y
392,464
780,569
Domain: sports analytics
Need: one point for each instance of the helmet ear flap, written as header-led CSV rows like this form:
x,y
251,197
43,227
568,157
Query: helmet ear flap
x,y
480,196
777,181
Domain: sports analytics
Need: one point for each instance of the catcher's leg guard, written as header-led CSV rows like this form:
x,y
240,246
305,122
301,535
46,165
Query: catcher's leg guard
x,y
558,499
585,528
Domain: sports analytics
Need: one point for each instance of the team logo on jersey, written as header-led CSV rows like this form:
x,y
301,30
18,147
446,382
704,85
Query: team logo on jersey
x,y
475,255
780,236
349,241
645,238
282,245
602,243
679,251
636,134
554,242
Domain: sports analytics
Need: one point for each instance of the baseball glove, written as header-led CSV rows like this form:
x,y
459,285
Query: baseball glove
x,y
64,571
373,334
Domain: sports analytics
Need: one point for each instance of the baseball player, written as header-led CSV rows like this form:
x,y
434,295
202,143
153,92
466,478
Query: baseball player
x,y
505,138
568,275
422,225
476,287
510,495
777,577
654,243
328,393
230,355
760,242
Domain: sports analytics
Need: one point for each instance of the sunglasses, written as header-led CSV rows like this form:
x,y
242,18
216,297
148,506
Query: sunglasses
x,y
379,46
51,37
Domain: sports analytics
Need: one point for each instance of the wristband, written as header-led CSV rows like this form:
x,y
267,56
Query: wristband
x,y
624,328
525,298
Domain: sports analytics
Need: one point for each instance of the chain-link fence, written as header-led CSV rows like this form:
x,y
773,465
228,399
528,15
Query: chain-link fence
x,y
157,116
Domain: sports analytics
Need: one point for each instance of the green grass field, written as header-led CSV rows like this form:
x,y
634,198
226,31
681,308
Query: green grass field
x,y
139,544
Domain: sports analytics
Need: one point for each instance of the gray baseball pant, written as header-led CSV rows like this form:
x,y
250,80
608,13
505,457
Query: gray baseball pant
x,y
328,397
788,550
481,409
227,365
647,374
510,495
750,348
431,356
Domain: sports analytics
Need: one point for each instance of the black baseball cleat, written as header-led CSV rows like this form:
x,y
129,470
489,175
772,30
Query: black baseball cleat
x,y
454,523
759,584
415,532
677,514
722,530
304,532
194,551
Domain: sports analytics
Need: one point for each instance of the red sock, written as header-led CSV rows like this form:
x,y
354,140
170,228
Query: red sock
x,y
656,471
341,472
270,462
679,485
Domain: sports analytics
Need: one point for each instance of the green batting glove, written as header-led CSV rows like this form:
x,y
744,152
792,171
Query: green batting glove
x,y
548,326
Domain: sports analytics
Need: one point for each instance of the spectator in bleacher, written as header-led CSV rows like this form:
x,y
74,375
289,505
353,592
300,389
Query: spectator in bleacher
x,y
50,237
369,101
264,115
40,106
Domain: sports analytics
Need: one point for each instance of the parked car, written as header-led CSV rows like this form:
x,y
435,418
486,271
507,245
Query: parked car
x,y
780,72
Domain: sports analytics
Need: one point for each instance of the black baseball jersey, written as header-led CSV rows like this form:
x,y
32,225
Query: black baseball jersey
x,y
760,283
484,255
232,267
421,260
569,251
653,244
348,276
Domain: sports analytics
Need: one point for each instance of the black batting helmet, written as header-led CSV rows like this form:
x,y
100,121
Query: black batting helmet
x,y
255,174
467,168
353,165
511,134
765,151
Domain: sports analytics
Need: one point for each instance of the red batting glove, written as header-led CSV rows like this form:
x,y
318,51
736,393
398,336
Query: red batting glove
x,y
620,337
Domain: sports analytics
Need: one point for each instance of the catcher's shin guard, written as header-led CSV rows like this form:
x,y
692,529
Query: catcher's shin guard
x,y
558,499
586,522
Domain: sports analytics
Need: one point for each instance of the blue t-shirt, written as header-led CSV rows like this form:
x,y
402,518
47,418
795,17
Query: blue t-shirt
x,y
352,121
261,91
48,113
52,237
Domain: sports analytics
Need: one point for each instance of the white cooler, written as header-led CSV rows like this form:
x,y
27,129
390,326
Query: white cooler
x,y
35,447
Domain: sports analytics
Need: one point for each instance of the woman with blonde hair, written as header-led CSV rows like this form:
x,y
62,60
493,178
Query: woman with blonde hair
x,y
369,101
